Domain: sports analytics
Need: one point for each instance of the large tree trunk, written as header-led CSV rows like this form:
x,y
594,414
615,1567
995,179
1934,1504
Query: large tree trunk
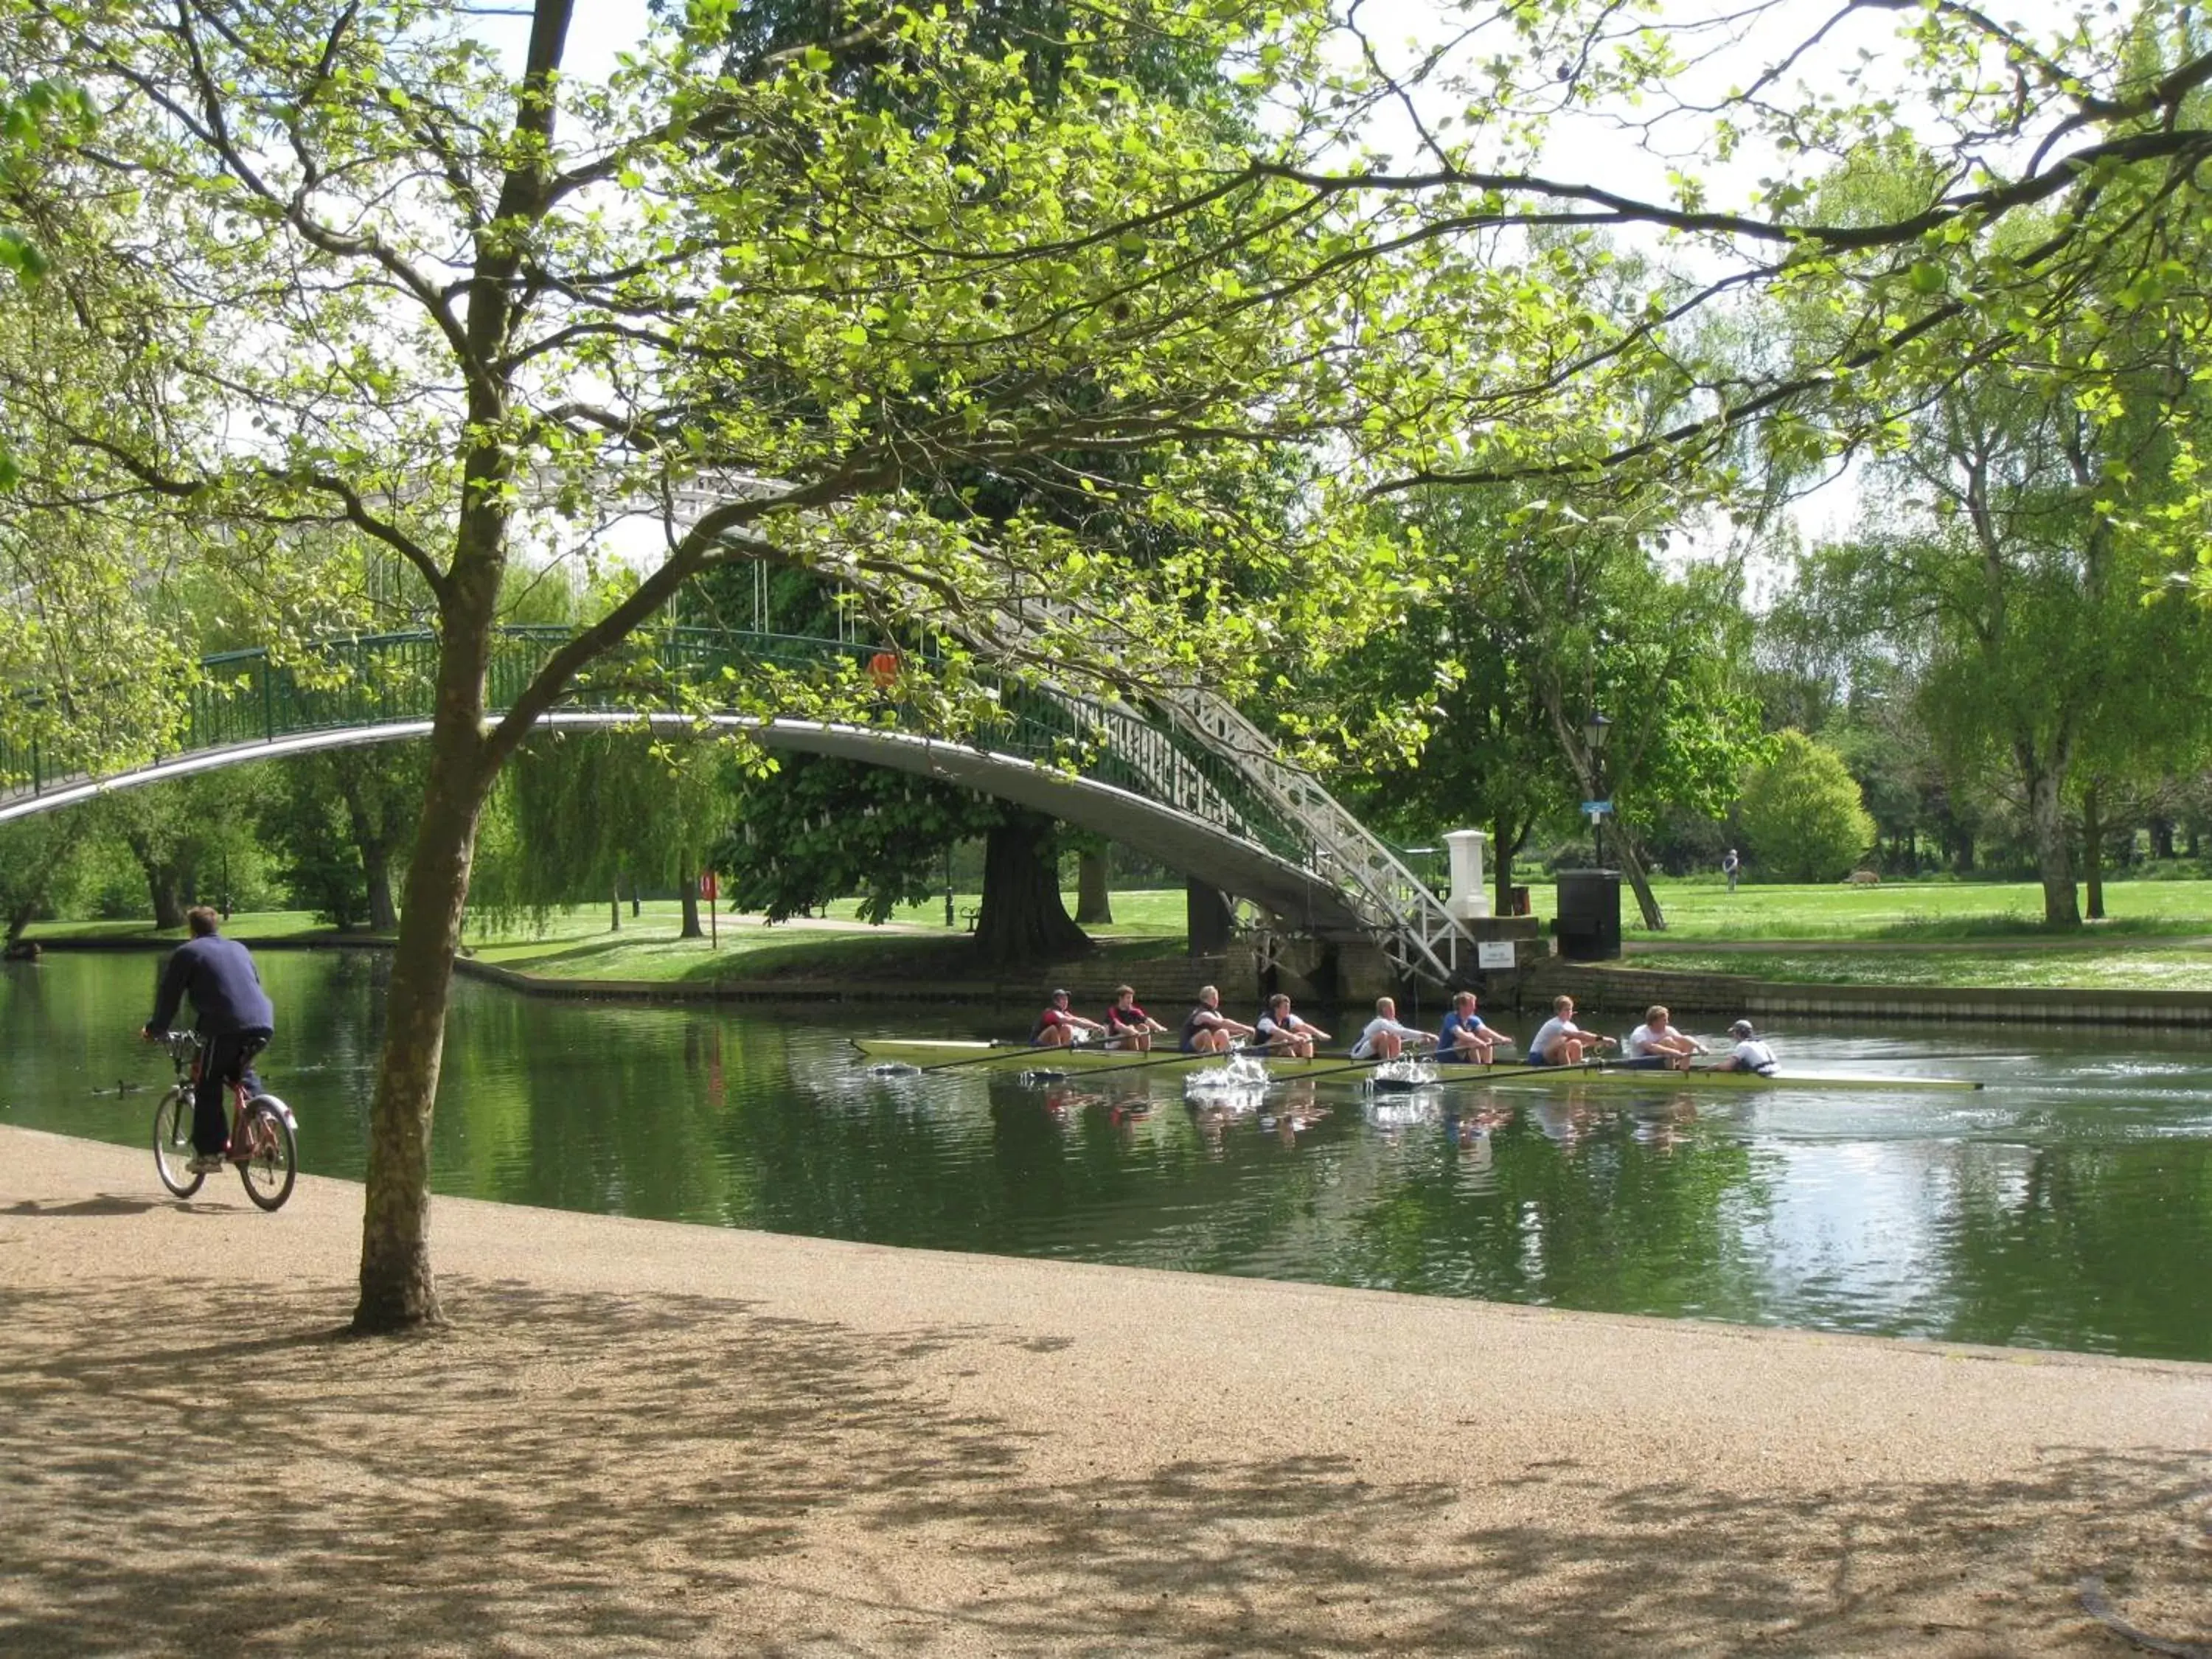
x,y
2093,851
1639,879
374,844
689,881
397,1290
2054,854
1022,919
164,883
376,870
1094,890
1504,837
1589,773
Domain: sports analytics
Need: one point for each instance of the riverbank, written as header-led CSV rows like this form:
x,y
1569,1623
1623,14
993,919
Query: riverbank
x,y
641,1437
1935,953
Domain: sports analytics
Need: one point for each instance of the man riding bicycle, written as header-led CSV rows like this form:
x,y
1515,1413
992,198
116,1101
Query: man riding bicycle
x,y
234,1023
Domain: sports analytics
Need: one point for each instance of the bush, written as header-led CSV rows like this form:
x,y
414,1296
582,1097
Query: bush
x,y
1801,812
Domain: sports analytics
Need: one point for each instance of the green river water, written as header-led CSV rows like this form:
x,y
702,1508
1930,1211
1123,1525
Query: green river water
x,y
2066,1206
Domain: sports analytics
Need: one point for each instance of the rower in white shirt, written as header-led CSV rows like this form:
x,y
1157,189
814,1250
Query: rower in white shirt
x,y
1383,1037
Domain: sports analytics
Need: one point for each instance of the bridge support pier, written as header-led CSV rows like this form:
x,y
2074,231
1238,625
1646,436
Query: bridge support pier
x,y
1208,916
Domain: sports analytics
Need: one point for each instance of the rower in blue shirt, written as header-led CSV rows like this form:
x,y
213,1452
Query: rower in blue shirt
x,y
1463,1039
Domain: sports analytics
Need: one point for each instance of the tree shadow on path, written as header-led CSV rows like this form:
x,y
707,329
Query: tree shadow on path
x,y
222,1471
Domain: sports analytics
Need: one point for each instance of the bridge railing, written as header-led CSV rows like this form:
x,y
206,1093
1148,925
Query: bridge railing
x,y
245,698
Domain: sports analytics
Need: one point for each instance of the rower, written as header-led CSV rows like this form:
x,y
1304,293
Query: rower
x,y
1560,1042
1128,1026
1464,1039
1383,1037
1656,1044
1282,1032
1057,1027
1208,1030
1749,1054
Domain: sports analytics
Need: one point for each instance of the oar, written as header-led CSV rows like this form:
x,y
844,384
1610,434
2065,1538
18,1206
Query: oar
x,y
1177,1058
1456,1074
1336,1071
1445,1070
997,1050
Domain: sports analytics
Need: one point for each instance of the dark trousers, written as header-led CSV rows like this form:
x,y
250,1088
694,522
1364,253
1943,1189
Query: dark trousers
x,y
226,1059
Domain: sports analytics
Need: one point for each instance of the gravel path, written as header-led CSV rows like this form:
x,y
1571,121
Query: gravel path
x,y
647,1437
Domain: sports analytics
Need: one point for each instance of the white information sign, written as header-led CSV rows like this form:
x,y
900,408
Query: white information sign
x,y
1494,953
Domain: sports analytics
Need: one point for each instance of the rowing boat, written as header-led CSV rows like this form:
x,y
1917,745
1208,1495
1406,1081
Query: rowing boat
x,y
1697,1077
923,1053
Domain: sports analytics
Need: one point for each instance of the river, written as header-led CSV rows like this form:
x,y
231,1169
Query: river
x,y
2068,1205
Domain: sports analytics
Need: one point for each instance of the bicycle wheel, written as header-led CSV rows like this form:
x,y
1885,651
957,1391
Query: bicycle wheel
x,y
173,1143
265,1126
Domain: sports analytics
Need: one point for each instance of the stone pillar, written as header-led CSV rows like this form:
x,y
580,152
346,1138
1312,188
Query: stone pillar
x,y
1469,899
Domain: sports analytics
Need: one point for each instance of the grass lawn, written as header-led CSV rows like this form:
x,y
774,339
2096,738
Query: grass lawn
x,y
300,925
2151,967
1705,909
1901,933
577,943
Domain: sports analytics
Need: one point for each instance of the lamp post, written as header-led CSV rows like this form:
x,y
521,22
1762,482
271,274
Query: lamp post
x,y
1596,730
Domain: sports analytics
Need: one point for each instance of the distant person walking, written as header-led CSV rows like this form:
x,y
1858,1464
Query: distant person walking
x,y
233,1016
1729,866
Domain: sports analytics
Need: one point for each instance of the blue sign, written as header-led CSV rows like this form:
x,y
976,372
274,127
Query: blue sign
x,y
1596,808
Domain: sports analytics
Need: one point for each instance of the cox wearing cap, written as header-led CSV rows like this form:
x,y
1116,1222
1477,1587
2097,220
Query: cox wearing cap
x,y
1749,1054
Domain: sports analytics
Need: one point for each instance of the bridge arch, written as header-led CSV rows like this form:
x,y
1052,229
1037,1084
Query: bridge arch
x,y
1180,840
1189,783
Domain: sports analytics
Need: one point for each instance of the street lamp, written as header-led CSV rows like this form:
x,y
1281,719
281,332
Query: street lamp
x,y
1596,730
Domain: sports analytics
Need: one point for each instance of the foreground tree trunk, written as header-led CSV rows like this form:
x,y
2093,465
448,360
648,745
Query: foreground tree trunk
x,y
689,881
1094,889
1023,919
397,1290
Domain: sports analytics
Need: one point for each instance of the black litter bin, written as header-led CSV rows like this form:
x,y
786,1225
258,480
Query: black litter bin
x,y
1588,922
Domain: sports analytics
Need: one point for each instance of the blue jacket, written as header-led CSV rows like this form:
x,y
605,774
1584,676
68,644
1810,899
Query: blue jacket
x,y
217,974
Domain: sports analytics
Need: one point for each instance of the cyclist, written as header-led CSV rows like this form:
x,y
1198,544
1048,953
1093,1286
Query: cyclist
x,y
235,1022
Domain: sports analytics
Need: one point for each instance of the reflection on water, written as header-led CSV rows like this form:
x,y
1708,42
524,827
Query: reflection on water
x,y
2070,1207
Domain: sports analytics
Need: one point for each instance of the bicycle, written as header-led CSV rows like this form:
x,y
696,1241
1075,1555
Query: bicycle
x,y
264,1125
